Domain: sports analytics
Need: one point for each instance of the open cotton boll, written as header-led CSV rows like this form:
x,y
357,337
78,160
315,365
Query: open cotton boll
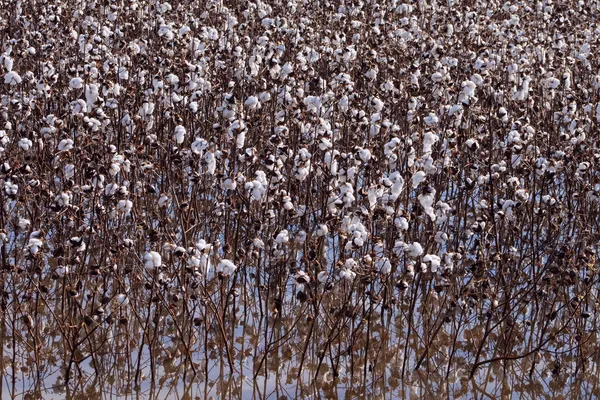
x,y
433,260
429,139
12,78
347,274
179,135
431,119
383,265
25,144
322,230
34,245
283,237
252,103
401,223
417,178
415,249
152,259
226,267
426,199
76,83
24,224
65,145
552,83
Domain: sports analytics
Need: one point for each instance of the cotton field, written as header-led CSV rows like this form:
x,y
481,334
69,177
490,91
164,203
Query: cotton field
x,y
299,199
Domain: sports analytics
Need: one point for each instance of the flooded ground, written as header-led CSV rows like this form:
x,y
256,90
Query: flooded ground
x,y
229,339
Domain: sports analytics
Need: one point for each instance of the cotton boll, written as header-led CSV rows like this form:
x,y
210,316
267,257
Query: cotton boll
x,y
322,230
552,83
179,135
347,274
401,223
323,277
124,207
152,259
283,237
24,224
431,119
426,199
429,139
252,103
433,260
65,145
383,265
415,249
417,178
76,83
364,154
226,268
12,78
25,144
472,144
34,245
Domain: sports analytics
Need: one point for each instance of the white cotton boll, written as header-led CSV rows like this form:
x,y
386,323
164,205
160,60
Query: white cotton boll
x,y
12,78
347,274
283,237
433,260
364,154
301,173
552,83
164,201
111,189
252,103
415,249
179,135
383,265
441,237
429,139
325,143
477,79
258,243
322,230
377,104
63,199
76,83
417,178
34,245
24,224
8,62
431,119
124,206
240,139
437,77
401,223
210,162
426,200
226,267
455,109
25,144
323,277
152,259
472,144
343,104
91,95
469,88
229,184
65,145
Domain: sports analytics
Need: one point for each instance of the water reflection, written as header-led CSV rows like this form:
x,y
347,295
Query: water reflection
x,y
232,338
